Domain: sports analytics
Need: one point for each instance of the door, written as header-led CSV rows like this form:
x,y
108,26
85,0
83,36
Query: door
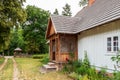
x,y
53,50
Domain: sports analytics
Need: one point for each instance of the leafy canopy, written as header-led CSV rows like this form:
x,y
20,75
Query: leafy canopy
x,y
67,10
56,12
83,2
11,14
34,30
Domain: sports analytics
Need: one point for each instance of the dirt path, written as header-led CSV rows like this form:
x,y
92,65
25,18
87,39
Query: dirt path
x,y
2,66
15,70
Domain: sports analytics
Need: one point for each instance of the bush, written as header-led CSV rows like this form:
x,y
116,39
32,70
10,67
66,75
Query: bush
x,y
39,56
74,76
81,70
116,76
45,59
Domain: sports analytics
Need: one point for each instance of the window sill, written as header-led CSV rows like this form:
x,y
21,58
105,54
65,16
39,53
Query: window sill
x,y
111,54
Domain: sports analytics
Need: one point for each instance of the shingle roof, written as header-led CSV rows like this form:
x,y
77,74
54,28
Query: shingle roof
x,y
64,24
101,12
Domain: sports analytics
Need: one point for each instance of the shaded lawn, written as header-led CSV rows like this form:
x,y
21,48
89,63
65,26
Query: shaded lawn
x,y
29,70
1,60
7,72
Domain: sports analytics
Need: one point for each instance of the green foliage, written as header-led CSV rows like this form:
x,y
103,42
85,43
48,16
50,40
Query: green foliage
x,y
67,10
34,30
11,14
78,66
83,2
116,58
85,77
116,76
81,70
56,12
17,40
44,58
1,60
75,76
85,66
86,62
39,56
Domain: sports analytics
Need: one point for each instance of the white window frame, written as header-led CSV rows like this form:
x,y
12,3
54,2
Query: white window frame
x,y
112,45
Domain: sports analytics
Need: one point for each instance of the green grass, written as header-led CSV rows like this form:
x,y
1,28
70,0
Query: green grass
x,y
7,72
1,60
29,70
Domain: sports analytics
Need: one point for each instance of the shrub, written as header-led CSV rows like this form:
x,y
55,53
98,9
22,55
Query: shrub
x,y
37,57
74,76
81,70
78,66
116,59
45,59
85,77
86,62
116,76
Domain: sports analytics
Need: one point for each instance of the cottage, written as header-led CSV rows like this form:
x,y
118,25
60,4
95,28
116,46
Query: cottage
x,y
95,29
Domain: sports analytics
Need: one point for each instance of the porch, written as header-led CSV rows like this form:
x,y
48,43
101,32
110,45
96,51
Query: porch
x,y
61,45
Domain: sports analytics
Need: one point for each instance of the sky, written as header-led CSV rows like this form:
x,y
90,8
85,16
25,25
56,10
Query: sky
x,y
51,5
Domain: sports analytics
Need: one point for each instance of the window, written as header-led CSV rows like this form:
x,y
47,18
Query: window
x,y
115,43
109,44
112,44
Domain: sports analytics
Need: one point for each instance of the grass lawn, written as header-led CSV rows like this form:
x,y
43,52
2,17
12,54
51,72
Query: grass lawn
x,y
7,72
29,70
1,60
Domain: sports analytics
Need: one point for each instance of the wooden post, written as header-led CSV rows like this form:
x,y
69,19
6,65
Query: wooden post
x,y
58,47
76,48
50,49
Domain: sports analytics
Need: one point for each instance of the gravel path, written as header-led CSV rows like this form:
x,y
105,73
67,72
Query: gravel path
x,y
2,66
15,70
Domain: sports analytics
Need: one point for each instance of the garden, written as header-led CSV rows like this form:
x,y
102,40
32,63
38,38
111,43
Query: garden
x,y
82,70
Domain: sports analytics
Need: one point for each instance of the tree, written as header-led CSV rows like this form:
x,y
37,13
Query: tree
x,y
11,14
34,30
56,12
17,40
67,10
83,2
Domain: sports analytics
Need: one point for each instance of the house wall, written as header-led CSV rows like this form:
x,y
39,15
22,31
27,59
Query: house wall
x,y
94,41
68,44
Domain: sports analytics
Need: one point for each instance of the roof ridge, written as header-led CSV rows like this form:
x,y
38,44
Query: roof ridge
x,y
101,12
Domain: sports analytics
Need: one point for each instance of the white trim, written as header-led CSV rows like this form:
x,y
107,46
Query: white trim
x,y
112,44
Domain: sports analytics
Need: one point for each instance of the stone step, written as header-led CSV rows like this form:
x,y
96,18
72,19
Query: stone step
x,y
51,64
47,68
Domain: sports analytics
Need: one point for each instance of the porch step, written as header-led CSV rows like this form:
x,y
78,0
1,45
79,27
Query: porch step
x,y
48,68
51,64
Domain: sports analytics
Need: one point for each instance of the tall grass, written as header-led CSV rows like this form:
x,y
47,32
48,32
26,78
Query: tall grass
x,y
1,60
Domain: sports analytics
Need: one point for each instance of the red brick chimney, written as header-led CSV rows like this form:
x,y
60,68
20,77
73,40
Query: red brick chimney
x,y
91,2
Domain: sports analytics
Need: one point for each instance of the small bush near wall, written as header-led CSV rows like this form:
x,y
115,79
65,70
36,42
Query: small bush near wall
x,y
116,76
81,70
44,58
